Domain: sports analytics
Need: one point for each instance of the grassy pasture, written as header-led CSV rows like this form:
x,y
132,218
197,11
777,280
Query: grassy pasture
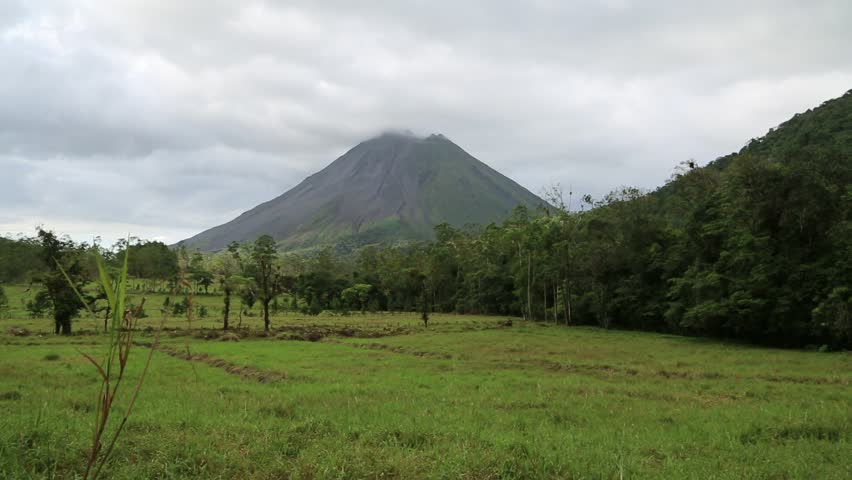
x,y
379,396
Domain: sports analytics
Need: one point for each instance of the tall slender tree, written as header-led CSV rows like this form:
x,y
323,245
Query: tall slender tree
x,y
226,266
266,275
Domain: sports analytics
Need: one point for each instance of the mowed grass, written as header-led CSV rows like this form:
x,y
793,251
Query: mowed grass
x,y
465,398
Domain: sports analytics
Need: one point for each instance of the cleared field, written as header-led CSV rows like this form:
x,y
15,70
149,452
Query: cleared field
x,y
380,396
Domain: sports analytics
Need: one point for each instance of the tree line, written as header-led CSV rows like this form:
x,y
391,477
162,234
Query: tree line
x,y
755,246
758,250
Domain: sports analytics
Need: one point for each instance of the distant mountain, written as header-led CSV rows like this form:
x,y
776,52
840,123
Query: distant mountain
x,y
393,187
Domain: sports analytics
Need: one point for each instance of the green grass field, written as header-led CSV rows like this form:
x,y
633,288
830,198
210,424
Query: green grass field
x,y
379,396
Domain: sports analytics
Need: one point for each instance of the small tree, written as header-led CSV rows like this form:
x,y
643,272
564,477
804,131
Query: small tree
x,y
424,306
248,296
228,267
65,273
266,276
204,279
180,307
4,303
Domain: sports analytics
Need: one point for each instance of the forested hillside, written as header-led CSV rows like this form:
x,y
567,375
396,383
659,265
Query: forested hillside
x,y
755,246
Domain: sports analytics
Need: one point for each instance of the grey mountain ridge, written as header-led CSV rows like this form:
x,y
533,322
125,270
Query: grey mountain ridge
x,y
396,186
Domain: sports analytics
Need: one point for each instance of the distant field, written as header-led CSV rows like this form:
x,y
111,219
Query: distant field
x,y
20,294
379,396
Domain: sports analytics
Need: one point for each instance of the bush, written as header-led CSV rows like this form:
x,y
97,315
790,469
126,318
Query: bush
x,y
39,306
833,316
181,307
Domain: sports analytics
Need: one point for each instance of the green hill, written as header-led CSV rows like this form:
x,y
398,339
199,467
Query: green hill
x,y
827,127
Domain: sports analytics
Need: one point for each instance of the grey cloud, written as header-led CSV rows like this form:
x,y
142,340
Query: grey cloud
x,y
180,115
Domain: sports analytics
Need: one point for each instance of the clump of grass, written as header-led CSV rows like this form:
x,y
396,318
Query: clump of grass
x,y
13,395
780,434
51,357
406,439
230,337
280,411
79,406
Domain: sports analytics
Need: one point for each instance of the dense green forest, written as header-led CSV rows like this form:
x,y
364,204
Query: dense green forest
x,y
755,246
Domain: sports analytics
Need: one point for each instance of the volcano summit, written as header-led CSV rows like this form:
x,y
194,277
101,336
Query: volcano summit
x,y
393,187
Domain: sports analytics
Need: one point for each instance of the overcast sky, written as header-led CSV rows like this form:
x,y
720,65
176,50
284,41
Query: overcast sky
x,y
164,118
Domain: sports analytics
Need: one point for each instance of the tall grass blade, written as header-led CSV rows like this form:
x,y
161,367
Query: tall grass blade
x,y
106,283
120,329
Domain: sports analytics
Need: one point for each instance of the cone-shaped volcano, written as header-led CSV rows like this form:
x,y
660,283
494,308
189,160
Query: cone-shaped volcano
x,y
392,187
